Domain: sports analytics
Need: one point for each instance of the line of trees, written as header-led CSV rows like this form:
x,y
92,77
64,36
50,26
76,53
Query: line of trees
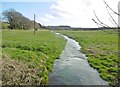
x,y
16,20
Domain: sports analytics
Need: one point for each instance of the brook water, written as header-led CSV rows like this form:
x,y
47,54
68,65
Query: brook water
x,y
72,68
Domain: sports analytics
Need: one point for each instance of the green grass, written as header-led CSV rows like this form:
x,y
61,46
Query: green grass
x,y
101,48
37,51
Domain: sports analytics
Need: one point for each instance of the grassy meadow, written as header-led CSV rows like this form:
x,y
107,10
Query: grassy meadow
x,y
27,58
101,48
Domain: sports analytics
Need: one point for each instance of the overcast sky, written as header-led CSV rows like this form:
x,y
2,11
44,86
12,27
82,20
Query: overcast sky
x,y
75,13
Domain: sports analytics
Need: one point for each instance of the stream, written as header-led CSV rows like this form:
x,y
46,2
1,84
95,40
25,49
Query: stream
x,y
73,68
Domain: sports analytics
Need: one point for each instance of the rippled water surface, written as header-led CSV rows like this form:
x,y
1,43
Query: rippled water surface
x,y
72,68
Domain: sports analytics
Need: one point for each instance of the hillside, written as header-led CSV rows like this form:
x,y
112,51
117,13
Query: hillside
x,y
15,20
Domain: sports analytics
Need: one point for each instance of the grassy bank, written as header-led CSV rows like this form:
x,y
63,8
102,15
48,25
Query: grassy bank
x,y
32,56
101,48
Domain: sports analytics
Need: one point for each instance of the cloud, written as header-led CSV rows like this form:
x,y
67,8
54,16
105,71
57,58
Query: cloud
x,y
78,13
49,16
68,8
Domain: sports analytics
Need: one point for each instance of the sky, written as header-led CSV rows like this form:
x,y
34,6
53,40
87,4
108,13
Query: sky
x,y
74,13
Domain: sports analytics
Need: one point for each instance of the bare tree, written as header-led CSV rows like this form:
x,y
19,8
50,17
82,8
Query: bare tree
x,y
112,21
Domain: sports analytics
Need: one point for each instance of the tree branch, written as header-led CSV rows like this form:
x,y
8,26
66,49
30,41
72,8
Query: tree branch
x,y
99,19
98,23
111,22
111,8
112,17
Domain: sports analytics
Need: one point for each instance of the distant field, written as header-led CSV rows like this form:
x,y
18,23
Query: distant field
x,y
101,48
27,58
